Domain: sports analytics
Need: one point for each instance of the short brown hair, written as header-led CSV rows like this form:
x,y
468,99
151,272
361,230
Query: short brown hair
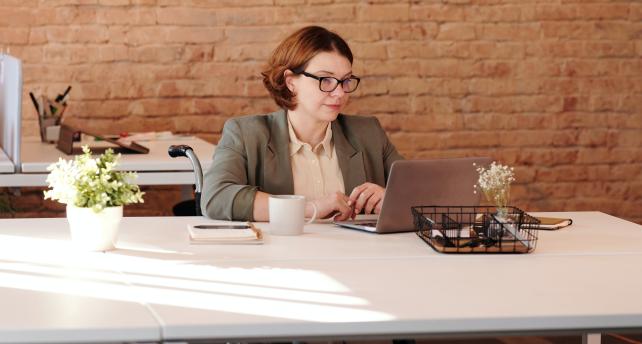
x,y
294,53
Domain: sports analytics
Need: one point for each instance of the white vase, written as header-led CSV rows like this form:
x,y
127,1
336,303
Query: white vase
x,y
91,231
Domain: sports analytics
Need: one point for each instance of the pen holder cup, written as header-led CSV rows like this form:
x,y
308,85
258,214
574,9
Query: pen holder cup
x,y
49,129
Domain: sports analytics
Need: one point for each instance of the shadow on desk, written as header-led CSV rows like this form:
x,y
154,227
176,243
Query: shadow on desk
x,y
609,338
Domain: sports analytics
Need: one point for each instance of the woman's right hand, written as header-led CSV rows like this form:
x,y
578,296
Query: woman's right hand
x,y
333,205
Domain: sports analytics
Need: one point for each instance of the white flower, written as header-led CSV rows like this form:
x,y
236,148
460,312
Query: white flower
x,y
495,182
92,182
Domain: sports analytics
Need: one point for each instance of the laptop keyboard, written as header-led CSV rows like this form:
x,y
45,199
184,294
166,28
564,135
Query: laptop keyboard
x,y
367,224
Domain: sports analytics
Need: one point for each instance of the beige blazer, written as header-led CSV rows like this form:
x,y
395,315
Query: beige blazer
x,y
253,155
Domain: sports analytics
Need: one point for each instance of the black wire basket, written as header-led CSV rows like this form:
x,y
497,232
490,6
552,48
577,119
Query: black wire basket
x,y
461,229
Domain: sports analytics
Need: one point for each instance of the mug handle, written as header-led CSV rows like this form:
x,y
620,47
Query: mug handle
x,y
314,214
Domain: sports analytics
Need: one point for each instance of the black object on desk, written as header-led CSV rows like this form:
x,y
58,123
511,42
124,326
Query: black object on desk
x,y
189,207
66,145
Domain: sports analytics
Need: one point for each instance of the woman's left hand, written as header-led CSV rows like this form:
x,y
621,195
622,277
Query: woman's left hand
x,y
366,196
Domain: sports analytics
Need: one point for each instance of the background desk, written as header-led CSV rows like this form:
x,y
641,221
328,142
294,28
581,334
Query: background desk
x,y
154,168
337,283
6,166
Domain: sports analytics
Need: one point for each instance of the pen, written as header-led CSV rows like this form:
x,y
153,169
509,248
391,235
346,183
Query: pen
x,y
61,97
35,102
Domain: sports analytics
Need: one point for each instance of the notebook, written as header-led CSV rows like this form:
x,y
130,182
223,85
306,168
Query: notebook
x,y
225,233
447,182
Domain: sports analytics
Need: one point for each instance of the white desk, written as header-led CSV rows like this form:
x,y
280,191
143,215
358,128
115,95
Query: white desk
x,y
336,283
6,166
154,168
50,293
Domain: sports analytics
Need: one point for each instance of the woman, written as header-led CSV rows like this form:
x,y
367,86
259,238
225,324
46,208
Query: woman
x,y
309,148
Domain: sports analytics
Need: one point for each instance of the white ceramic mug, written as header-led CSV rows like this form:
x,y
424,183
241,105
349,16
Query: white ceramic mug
x,y
287,214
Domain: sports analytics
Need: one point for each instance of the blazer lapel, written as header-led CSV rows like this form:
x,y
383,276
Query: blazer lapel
x,y
277,172
350,159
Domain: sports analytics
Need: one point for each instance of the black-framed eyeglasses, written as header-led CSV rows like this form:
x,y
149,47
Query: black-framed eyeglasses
x,y
329,84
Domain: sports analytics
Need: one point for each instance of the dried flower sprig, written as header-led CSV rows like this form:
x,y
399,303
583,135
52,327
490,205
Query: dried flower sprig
x,y
92,183
494,182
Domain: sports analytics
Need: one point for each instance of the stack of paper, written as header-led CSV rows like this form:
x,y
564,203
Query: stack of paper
x,y
227,233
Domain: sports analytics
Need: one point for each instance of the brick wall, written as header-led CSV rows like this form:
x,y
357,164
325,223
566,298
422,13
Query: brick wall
x,y
553,87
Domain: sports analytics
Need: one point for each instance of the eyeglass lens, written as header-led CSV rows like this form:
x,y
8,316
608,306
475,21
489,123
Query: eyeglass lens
x,y
328,84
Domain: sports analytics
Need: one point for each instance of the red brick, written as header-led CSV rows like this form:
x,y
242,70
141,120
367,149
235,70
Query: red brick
x,y
557,49
206,70
253,34
446,68
223,106
513,104
90,91
555,12
398,67
329,13
114,2
383,13
431,122
505,13
199,123
495,69
289,2
21,3
243,52
564,173
70,54
28,54
198,53
604,11
627,172
14,35
552,190
193,35
390,123
491,49
77,34
356,32
15,16
384,105
214,4
456,31
610,49
403,31
113,52
436,12
126,16
510,32
64,15
606,85
156,53
437,105
186,16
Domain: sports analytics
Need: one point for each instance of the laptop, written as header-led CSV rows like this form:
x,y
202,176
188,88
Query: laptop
x,y
445,182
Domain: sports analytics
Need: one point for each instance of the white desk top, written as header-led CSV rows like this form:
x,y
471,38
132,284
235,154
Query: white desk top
x,y
50,293
36,156
333,282
592,233
6,166
336,282
154,168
